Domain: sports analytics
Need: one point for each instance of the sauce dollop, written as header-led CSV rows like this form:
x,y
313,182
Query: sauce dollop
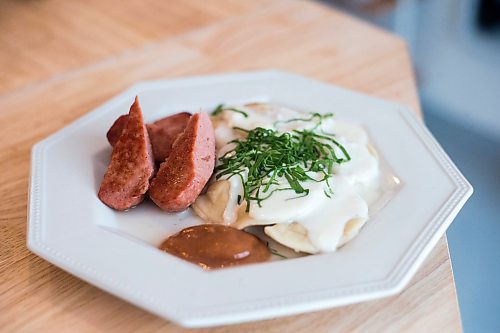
x,y
213,246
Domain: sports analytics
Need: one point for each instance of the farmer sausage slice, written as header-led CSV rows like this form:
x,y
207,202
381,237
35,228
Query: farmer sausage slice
x,y
163,133
187,169
116,129
127,178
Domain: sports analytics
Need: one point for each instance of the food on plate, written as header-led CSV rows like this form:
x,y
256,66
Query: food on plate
x,y
213,206
327,228
127,177
308,178
214,246
185,172
116,129
163,133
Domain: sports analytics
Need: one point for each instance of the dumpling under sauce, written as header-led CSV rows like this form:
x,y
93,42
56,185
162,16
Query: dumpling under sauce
x,y
317,215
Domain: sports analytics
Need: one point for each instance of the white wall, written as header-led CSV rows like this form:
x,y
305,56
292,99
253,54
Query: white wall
x,y
458,67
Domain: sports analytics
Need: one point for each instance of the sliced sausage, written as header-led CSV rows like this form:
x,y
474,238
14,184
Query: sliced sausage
x,y
163,133
187,169
127,178
116,129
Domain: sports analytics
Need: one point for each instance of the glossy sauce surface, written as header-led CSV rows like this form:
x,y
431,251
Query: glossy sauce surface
x,y
214,246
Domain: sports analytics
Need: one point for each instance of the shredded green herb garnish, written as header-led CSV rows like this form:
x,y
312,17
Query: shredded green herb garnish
x,y
220,108
266,157
315,116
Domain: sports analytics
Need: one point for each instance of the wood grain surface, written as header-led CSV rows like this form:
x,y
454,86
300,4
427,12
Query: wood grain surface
x,y
60,59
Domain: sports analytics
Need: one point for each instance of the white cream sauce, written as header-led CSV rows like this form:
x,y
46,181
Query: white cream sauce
x,y
328,222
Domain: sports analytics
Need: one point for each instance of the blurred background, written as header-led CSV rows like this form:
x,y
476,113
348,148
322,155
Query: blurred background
x,y
455,47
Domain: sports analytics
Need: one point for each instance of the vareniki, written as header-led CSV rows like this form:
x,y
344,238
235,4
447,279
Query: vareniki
x,y
307,177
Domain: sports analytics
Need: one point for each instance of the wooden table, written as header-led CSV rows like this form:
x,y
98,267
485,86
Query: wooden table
x,y
59,59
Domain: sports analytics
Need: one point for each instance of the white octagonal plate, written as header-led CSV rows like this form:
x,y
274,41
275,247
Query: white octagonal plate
x,y
116,251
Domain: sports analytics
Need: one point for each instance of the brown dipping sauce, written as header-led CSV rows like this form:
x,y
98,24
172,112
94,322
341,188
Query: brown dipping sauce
x,y
214,246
